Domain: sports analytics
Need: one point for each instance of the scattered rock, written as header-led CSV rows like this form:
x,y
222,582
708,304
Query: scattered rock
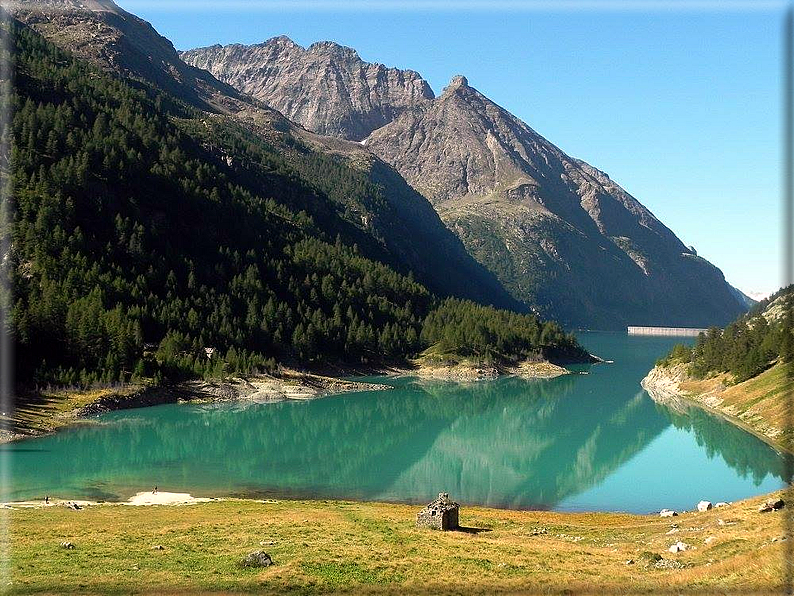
x,y
772,505
668,564
722,504
266,543
704,505
678,547
710,539
667,513
158,547
67,545
538,531
258,558
672,531
630,562
441,514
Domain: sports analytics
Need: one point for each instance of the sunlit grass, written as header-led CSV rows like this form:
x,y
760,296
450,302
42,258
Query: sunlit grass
x,y
374,548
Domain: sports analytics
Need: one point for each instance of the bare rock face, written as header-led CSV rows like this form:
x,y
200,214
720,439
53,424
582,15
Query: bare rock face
x,y
559,234
326,87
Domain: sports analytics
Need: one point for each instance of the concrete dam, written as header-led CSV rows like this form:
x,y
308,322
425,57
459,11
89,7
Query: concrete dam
x,y
670,331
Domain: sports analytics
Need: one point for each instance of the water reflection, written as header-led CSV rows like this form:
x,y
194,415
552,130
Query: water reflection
x,y
720,438
508,442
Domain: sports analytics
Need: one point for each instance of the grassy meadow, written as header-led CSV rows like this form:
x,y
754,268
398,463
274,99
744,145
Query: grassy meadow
x,y
374,548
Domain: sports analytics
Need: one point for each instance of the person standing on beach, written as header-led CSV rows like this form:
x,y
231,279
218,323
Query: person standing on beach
x,y
154,492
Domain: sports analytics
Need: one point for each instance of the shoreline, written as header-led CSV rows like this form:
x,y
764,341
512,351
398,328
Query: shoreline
x,y
173,499
78,406
664,386
464,371
290,384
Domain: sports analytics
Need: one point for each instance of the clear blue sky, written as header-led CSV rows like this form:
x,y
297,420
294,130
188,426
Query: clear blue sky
x,y
681,106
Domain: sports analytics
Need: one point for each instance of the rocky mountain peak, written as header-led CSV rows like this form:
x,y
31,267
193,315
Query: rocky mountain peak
x,y
457,82
326,87
277,40
333,50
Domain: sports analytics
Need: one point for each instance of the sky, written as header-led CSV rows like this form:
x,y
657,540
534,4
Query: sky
x,y
679,102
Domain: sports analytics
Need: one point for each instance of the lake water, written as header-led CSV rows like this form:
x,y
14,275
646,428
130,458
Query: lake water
x,y
578,442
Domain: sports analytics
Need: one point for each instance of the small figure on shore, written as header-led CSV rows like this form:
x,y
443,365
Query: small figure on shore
x,y
154,492
46,499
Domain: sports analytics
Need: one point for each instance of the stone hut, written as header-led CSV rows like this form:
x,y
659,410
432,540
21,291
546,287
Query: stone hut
x,y
441,514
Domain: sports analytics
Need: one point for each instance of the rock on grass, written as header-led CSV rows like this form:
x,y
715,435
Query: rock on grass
x,y
258,558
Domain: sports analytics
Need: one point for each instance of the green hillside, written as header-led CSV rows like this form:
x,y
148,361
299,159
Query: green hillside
x,y
146,231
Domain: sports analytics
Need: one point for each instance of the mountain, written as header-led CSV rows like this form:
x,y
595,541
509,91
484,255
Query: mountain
x,y
386,217
147,230
559,234
326,87
748,301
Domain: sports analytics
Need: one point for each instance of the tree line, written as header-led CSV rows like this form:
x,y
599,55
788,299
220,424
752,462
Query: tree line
x,y
745,348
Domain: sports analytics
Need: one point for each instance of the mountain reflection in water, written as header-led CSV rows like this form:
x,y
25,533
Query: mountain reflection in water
x,y
507,443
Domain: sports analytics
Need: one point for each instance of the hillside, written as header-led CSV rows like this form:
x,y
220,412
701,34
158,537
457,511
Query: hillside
x,y
147,231
743,371
559,234
387,218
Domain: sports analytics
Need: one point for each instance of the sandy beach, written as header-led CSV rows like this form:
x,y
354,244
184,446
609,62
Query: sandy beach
x,y
141,498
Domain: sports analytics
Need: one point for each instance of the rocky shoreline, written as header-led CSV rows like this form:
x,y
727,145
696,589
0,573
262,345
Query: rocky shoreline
x,y
673,387
470,372
289,385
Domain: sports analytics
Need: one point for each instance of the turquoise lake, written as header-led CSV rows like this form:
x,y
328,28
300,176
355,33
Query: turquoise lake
x,y
578,442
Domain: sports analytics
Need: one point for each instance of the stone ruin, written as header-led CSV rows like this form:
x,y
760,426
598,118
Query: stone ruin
x,y
441,514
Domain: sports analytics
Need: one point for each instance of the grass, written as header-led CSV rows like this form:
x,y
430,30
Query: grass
x,y
374,548
49,411
761,402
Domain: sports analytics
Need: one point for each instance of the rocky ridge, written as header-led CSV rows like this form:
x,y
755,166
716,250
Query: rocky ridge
x,y
326,87
559,234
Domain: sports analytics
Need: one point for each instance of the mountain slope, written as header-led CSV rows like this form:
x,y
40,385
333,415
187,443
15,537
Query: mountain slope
x,y
387,218
558,233
146,230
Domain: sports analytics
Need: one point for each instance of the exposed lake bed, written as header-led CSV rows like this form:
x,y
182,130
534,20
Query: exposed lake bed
x,y
576,442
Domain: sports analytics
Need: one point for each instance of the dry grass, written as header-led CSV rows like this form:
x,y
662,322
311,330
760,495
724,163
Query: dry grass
x,y
321,547
49,411
761,402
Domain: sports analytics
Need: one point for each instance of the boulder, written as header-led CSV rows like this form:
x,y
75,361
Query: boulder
x,y
722,504
772,505
258,558
667,513
441,514
704,505
678,547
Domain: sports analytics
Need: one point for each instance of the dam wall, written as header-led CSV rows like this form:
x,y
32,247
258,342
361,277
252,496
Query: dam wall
x,y
668,331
